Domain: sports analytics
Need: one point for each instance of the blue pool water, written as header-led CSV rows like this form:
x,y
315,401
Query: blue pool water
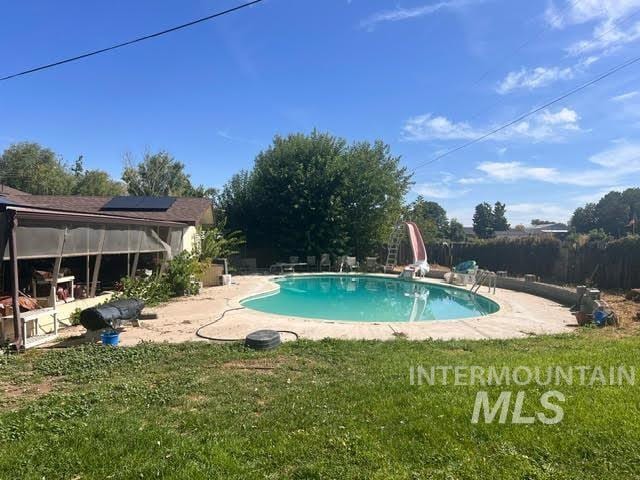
x,y
369,299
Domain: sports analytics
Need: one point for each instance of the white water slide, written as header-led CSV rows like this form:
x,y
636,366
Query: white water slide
x,y
418,249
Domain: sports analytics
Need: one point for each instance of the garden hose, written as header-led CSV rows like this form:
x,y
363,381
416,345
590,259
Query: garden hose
x,y
220,317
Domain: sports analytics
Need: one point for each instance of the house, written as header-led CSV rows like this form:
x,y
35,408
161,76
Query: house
x,y
547,229
62,251
469,232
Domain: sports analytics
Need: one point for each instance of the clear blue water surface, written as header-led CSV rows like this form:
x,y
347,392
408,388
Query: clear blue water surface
x,y
369,299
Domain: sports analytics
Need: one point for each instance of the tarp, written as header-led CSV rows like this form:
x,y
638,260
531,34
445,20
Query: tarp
x,y
43,239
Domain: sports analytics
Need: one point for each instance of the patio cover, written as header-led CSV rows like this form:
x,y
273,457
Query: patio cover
x,y
45,233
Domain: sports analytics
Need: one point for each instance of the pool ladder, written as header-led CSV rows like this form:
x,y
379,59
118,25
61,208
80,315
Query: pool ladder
x,y
484,277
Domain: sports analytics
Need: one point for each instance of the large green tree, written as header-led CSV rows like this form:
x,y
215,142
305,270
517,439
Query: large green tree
x,y
456,231
584,219
34,169
97,182
500,223
160,174
316,193
611,214
487,219
483,220
430,217
372,189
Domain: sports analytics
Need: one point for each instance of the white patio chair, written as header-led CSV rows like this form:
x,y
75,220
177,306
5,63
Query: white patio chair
x,y
325,262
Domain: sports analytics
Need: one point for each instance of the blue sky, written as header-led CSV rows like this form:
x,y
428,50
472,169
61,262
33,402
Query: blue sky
x,y
424,76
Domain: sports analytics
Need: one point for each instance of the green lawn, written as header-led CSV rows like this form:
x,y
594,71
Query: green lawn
x,y
330,409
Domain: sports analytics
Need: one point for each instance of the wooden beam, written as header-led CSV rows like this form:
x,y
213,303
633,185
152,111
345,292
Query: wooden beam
x,y
136,257
96,267
56,270
12,221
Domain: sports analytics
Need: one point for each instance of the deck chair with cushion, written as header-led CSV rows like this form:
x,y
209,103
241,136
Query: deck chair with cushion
x,y
350,264
325,262
371,264
311,262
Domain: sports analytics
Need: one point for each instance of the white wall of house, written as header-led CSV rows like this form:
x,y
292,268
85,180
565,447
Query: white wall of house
x,y
190,238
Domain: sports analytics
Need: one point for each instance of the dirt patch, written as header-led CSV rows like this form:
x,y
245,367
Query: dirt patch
x,y
626,310
12,395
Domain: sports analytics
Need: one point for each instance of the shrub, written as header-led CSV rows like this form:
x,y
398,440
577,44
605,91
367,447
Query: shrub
x,y
181,274
216,244
151,290
74,318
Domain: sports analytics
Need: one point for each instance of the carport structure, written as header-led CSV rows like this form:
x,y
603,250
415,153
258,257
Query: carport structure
x,y
30,233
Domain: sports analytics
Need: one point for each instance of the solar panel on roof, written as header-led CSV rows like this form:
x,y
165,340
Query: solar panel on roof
x,y
139,204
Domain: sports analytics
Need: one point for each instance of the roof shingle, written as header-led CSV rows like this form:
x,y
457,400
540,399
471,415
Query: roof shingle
x,y
191,210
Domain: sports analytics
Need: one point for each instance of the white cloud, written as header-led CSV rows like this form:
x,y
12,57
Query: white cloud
x,y
612,166
606,36
564,116
575,12
524,212
471,180
428,127
623,157
625,96
400,13
512,171
595,195
534,78
543,126
439,190
233,138
612,29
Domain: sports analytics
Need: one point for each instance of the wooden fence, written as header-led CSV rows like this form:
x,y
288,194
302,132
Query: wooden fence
x,y
611,265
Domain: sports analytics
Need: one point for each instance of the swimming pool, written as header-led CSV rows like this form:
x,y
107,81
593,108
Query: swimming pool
x,y
361,298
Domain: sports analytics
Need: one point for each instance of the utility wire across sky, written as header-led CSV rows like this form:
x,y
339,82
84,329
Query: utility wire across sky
x,y
473,141
131,42
582,49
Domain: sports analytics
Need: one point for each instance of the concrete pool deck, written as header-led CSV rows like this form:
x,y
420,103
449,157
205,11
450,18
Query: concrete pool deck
x,y
520,315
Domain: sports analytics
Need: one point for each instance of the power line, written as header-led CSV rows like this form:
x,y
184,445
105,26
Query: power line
x,y
582,49
131,42
510,55
531,112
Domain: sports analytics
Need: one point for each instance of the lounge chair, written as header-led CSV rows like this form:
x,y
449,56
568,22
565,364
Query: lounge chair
x,y
351,263
247,265
340,263
464,273
325,262
371,264
311,262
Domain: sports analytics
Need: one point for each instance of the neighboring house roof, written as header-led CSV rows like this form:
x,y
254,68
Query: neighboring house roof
x,y
552,227
6,191
189,210
515,233
546,229
469,230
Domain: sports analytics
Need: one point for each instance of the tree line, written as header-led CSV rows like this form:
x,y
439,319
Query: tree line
x,y
37,170
615,214
308,194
